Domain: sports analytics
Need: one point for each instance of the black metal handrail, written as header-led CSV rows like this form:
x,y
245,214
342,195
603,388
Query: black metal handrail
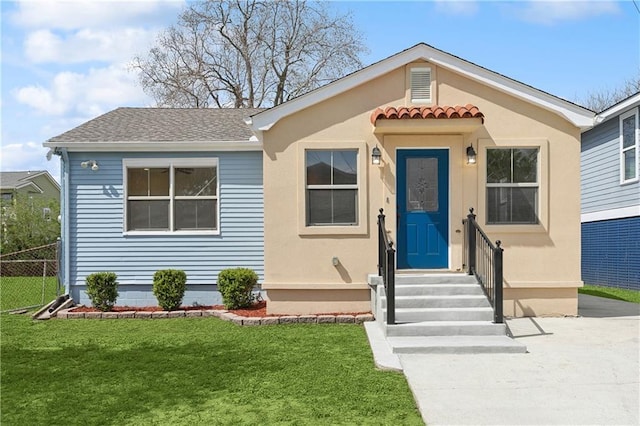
x,y
484,260
387,267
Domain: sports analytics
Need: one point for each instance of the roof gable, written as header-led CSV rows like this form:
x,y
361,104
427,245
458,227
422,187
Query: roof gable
x,y
575,114
24,179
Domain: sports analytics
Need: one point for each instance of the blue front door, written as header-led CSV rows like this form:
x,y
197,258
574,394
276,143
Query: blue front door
x,y
423,208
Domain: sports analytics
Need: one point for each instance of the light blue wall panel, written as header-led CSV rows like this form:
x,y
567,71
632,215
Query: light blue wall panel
x,y
97,242
600,170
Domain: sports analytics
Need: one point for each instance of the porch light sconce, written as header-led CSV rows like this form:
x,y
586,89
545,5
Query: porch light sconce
x,y
92,163
471,155
376,156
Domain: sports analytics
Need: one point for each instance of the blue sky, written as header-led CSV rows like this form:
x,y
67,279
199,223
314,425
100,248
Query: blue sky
x,y
65,62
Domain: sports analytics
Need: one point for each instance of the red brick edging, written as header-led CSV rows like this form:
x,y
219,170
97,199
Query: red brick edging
x,y
224,315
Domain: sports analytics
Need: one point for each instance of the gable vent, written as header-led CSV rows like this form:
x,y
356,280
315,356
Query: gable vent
x,y
421,85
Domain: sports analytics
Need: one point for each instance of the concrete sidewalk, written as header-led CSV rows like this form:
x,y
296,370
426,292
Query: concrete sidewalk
x,y
579,371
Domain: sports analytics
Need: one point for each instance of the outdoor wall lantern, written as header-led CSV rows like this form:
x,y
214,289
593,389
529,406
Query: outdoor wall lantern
x,y
471,155
376,155
92,163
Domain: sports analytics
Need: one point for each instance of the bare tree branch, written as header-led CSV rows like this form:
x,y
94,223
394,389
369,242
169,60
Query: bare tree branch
x,y
600,100
249,53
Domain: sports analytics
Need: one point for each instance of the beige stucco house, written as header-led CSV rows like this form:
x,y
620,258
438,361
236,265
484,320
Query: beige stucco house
x,y
427,112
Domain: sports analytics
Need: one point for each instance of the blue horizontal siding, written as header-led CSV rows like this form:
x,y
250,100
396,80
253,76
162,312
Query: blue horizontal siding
x,y
97,242
611,253
600,170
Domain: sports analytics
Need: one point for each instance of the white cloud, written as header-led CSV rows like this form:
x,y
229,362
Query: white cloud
x,y
75,14
28,156
553,11
456,7
87,45
91,94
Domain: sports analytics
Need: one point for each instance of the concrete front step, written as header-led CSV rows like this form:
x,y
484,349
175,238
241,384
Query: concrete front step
x,y
455,345
438,289
444,278
442,314
446,328
456,301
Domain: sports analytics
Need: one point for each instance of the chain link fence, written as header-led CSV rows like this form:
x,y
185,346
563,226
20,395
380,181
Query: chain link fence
x,y
29,278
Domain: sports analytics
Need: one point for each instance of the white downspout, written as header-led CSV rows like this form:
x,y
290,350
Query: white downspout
x,y
65,218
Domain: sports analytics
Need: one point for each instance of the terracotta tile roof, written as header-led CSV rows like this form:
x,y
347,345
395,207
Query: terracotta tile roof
x,y
436,111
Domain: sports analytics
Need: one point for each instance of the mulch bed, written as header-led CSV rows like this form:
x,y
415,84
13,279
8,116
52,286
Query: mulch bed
x,y
259,309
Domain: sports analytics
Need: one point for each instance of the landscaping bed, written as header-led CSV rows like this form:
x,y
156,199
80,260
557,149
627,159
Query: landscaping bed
x,y
255,315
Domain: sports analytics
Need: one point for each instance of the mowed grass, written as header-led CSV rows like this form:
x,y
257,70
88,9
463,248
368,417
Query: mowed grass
x,y
20,292
195,371
632,296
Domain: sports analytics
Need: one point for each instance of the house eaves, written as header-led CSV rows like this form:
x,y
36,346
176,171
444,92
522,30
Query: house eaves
x,y
146,146
575,114
620,107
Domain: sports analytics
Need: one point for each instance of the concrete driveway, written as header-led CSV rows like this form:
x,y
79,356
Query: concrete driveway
x,y
579,371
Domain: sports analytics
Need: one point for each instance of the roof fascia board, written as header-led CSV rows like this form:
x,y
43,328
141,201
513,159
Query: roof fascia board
x,y
124,146
619,108
580,117
28,184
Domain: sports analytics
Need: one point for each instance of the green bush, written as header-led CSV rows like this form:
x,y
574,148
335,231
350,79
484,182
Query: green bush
x,y
236,285
169,286
102,289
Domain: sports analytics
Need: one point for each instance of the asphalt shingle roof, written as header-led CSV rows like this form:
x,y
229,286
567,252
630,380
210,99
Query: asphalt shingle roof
x,y
10,180
163,125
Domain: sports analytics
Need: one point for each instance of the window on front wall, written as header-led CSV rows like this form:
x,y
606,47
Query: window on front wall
x,y
174,196
629,147
512,185
331,187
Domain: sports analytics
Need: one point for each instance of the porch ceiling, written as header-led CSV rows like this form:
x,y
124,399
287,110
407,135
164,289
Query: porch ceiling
x,y
427,119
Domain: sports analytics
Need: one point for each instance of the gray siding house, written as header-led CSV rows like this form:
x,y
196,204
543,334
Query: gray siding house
x,y
145,189
610,189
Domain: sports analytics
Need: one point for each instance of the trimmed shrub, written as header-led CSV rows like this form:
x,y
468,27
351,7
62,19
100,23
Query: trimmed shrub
x,y
102,289
169,286
236,285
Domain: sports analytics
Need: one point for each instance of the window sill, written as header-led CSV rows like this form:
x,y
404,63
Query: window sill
x,y
629,182
514,229
167,233
332,230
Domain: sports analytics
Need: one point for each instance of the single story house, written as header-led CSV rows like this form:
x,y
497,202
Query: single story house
x,y
294,191
610,173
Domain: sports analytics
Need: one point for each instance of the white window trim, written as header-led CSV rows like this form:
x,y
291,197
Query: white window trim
x,y
362,226
635,147
171,163
543,185
332,186
535,184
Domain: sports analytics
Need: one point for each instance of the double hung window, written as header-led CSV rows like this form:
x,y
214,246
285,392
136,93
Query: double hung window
x,y
171,195
512,185
331,187
629,147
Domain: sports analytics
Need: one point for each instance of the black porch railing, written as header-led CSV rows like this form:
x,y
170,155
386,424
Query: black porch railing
x,y
484,260
387,267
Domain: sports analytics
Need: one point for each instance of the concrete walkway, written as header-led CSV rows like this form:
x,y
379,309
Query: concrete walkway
x,y
579,371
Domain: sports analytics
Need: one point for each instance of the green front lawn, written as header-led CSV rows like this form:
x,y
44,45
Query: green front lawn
x,y
632,296
194,371
22,292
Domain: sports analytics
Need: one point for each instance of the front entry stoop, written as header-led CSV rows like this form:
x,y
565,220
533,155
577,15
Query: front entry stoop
x,y
439,313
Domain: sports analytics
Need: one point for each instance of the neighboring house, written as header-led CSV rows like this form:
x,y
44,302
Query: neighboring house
x,y
37,183
184,188
610,171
